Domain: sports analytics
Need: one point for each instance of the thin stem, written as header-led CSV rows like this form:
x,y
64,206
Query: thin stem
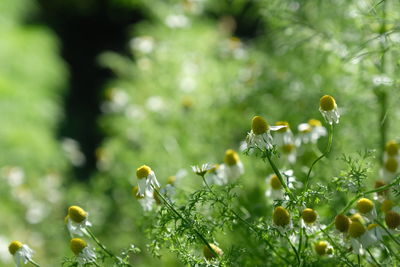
x,y
33,263
373,258
279,175
327,150
388,232
392,252
202,238
99,243
294,248
337,247
243,220
95,263
359,260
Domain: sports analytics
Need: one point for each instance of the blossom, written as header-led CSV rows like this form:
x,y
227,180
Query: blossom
x,y
77,221
281,218
146,180
275,189
284,135
392,219
309,220
259,136
342,223
322,248
21,252
311,131
328,109
232,167
367,208
201,170
84,254
215,175
146,201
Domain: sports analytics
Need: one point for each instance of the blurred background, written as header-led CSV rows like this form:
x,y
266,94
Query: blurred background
x,y
91,90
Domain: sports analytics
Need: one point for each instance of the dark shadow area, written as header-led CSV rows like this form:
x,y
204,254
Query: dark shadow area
x,y
85,29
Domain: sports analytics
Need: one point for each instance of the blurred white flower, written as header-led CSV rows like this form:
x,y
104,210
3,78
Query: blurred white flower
x,y
143,44
21,252
177,21
72,151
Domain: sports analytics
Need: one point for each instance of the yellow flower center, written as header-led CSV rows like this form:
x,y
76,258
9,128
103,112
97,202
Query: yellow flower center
x,y
208,253
143,172
275,183
77,214
259,125
14,247
371,226
327,103
309,215
231,157
387,205
391,164
356,229
392,219
342,223
187,102
364,205
283,123
287,148
171,179
321,247
281,216
135,191
314,123
77,245
392,148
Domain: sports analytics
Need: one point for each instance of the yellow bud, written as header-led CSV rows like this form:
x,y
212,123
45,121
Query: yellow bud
x,y
171,180
321,247
143,172
231,157
391,164
327,103
275,183
392,219
208,253
371,226
314,123
77,214
392,148
364,205
342,223
356,229
14,247
357,218
387,205
259,125
309,215
281,216
77,245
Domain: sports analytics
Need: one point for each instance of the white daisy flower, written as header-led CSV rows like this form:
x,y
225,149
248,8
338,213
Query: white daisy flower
x,y
146,180
259,136
323,248
147,201
360,237
390,168
305,133
232,167
328,109
77,221
281,219
201,170
215,175
309,220
84,254
21,253
367,208
172,181
317,130
275,189
284,135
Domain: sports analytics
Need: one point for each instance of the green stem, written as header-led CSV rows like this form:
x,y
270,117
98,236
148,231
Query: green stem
x,y
359,260
327,150
388,232
33,263
95,263
294,248
243,220
199,235
392,252
99,243
373,258
279,175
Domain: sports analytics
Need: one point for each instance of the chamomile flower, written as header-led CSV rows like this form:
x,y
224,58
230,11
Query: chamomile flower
x,y
77,221
170,188
21,253
208,254
367,208
232,167
289,152
309,220
390,168
146,180
392,220
375,233
357,233
328,109
342,223
259,136
380,196
392,148
281,218
387,205
284,135
201,170
317,130
323,248
84,254
275,188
